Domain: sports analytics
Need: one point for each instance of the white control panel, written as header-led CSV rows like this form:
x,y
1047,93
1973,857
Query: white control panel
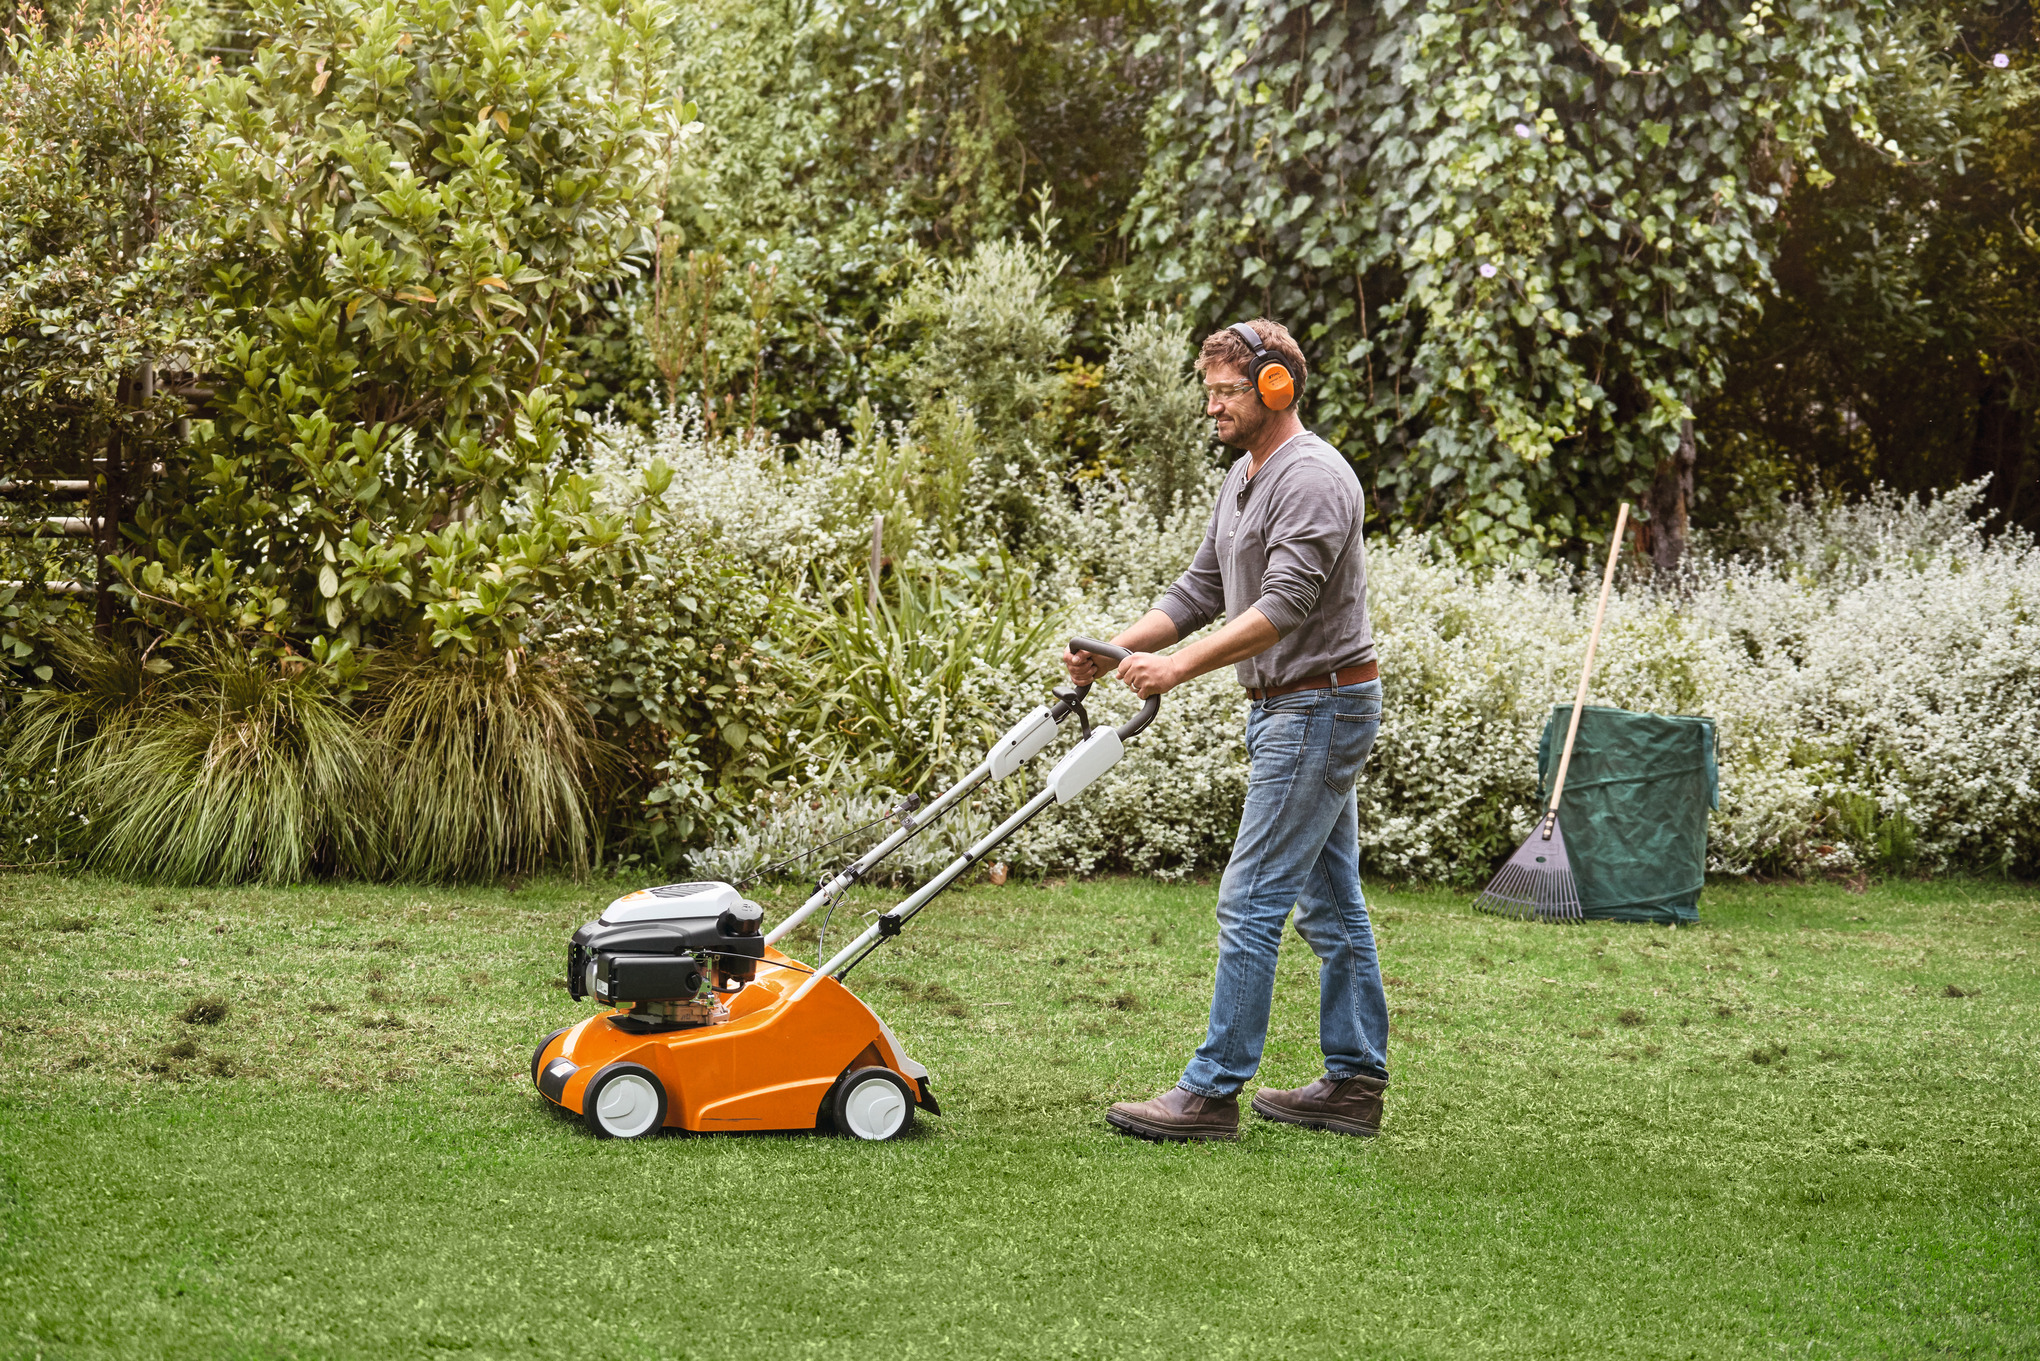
x,y
1022,743
1087,760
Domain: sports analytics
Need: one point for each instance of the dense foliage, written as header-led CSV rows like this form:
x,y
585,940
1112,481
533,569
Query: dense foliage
x,y
1904,345
1520,233
104,219
418,204
1871,668
102,196
408,206
513,435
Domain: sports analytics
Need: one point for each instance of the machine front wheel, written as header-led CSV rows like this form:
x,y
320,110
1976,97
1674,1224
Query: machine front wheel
x,y
624,1101
874,1103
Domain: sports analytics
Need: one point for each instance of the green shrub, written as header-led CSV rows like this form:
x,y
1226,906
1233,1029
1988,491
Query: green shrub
x,y
103,227
985,378
415,201
1155,407
1888,844
104,232
905,691
680,670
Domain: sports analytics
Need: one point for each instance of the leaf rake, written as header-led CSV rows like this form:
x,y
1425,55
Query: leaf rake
x,y
1537,881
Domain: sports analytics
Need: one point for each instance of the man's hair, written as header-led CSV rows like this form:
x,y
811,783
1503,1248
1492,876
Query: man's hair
x,y
1226,348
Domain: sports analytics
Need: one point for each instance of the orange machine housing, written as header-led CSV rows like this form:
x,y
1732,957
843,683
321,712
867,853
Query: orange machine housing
x,y
769,1066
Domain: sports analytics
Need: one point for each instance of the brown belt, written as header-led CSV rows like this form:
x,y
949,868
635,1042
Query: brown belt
x,y
1345,675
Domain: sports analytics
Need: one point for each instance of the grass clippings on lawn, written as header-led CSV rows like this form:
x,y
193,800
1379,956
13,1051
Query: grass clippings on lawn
x,y
300,1123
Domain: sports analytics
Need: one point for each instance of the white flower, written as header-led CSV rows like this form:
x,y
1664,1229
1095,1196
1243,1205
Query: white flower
x,y
1523,130
1487,270
2001,61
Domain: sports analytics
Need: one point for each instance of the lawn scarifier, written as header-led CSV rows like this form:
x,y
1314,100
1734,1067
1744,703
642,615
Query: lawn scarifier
x,y
1537,881
713,1028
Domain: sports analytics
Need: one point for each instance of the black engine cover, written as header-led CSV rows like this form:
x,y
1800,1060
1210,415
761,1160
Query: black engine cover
x,y
736,956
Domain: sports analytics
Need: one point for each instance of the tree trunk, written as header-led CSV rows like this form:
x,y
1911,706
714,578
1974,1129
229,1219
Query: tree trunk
x,y
1997,449
1671,493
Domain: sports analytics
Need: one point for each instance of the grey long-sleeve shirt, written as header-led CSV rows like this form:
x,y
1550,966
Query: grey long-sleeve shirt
x,y
1288,543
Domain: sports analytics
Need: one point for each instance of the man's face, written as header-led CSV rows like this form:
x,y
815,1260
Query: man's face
x,y
1237,415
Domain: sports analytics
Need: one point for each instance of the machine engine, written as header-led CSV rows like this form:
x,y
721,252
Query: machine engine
x,y
662,953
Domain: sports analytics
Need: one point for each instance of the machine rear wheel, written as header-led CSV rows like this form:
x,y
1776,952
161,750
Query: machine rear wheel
x,y
624,1101
874,1103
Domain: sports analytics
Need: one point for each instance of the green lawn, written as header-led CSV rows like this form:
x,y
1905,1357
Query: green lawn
x,y
1783,1132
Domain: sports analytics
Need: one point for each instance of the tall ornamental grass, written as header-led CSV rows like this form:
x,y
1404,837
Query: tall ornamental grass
x,y
902,675
221,772
491,769
225,769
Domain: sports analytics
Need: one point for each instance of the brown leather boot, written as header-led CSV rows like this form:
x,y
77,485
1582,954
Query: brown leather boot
x,y
1349,1106
1178,1114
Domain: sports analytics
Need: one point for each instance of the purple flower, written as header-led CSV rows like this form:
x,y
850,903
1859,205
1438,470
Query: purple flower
x,y
1487,271
2001,61
1523,130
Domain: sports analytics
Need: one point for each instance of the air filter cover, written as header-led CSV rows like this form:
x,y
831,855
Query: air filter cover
x,y
673,902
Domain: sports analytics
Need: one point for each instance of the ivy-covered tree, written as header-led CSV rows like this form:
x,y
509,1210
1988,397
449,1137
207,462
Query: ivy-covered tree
x,y
1513,236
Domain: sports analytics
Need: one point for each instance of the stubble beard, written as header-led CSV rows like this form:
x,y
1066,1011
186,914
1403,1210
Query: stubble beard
x,y
1245,426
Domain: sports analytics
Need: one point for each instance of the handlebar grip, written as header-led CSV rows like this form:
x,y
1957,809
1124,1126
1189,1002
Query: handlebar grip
x,y
1142,719
1116,654
1111,652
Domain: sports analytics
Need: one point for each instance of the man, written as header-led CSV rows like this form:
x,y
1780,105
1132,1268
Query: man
x,y
1283,561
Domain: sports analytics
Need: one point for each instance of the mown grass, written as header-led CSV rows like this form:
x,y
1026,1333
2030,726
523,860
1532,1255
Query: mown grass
x,y
1781,1132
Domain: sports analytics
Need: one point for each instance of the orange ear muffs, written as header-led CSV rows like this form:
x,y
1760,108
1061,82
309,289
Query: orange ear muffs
x,y
1274,384
1270,376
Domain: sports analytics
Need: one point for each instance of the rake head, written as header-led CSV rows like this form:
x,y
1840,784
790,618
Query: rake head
x,y
1537,882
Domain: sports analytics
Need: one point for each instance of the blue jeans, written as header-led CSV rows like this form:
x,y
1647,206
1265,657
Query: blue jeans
x,y
1298,846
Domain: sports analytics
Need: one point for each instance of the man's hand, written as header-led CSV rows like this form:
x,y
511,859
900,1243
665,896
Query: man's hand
x,y
1153,630
1148,674
1082,666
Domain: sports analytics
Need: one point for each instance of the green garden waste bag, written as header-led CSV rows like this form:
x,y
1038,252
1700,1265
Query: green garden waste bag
x,y
1634,810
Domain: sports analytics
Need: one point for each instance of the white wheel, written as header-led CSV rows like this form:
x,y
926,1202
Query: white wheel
x,y
874,1103
624,1101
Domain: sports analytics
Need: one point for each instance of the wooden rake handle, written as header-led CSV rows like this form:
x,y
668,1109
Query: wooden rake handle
x,y
1572,729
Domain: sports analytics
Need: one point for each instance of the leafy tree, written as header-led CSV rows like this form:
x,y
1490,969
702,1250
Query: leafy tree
x,y
103,226
1515,237
416,202
1904,346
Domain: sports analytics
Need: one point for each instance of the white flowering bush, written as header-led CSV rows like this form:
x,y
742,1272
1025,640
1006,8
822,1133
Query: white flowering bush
x,y
820,834
1870,666
776,513
1884,665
